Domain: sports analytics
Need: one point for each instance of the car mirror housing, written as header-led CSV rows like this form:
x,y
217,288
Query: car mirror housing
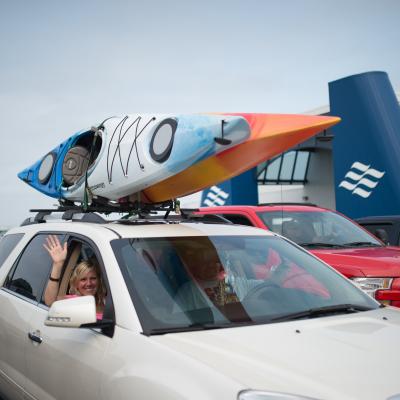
x,y
72,313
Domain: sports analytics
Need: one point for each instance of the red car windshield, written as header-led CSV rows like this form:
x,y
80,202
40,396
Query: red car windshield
x,y
317,229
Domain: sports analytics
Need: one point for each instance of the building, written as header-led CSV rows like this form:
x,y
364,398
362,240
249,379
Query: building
x,y
351,167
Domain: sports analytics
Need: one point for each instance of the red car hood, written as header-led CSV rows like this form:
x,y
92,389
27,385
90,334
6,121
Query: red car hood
x,y
363,261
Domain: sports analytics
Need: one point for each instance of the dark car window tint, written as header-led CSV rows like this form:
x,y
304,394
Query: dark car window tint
x,y
32,270
7,245
238,219
388,228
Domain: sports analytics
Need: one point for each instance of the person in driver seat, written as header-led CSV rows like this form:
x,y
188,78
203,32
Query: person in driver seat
x,y
211,281
294,231
85,279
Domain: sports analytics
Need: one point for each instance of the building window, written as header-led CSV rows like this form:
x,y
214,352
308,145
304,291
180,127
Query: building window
x,y
288,168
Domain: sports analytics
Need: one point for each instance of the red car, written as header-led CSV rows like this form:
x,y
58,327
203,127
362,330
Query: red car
x,y
332,237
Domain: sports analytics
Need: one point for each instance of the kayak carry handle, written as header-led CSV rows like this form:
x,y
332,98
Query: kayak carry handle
x,y
222,141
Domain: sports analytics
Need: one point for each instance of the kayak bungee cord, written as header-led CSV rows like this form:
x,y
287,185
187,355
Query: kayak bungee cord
x,y
135,143
121,136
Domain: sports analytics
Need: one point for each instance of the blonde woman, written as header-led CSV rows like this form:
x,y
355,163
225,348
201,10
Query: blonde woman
x,y
85,279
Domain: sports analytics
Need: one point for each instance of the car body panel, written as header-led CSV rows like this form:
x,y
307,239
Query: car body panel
x,y
156,370
64,349
372,261
14,328
335,348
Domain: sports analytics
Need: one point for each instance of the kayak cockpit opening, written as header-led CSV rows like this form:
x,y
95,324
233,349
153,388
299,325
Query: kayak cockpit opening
x,y
85,150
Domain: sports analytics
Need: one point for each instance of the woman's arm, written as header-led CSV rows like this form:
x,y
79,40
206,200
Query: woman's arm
x,y
58,254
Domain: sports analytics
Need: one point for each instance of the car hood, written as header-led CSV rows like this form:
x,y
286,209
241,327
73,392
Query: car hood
x,y
370,261
346,357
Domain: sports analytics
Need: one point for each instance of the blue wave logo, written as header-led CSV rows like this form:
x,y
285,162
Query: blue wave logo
x,y
215,197
361,179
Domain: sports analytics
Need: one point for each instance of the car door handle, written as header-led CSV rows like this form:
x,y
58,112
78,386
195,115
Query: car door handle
x,y
34,336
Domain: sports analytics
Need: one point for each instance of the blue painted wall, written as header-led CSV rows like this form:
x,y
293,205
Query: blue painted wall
x,y
239,190
366,145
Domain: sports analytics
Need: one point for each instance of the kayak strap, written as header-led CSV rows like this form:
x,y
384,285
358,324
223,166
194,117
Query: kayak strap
x,y
87,194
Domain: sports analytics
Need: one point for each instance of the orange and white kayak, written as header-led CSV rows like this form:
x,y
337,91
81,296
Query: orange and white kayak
x,y
271,134
157,158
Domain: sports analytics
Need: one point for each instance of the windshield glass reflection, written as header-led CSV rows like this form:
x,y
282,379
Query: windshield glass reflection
x,y
208,282
317,229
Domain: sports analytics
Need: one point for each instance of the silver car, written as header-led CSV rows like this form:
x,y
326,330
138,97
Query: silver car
x,y
190,311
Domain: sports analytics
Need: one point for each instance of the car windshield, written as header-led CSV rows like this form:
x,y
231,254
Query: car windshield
x,y
315,229
191,283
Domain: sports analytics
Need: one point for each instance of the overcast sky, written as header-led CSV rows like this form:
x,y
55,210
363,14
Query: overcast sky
x,y
66,65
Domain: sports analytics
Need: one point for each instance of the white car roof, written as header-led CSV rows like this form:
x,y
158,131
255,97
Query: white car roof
x,y
143,228
185,229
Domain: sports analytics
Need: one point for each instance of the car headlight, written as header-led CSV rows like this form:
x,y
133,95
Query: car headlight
x,y
261,395
371,285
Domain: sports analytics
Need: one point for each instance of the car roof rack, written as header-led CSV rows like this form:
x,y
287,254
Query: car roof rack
x,y
89,213
68,215
146,214
186,215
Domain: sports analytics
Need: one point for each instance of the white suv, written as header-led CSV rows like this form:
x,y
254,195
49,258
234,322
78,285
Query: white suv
x,y
193,311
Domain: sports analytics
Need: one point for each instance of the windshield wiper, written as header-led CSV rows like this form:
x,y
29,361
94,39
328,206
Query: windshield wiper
x,y
311,313
361,244
320,244
198,326
323,311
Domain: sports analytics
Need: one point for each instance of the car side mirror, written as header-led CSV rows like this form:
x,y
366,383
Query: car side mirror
x,y
382,235
72,313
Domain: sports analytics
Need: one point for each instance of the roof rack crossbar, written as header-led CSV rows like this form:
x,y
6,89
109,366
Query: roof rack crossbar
x,y
134,215
142,210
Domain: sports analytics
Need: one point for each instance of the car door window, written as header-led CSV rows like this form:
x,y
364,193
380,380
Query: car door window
x,y
30,274
83,257
78,252
238,219
388,228
7,245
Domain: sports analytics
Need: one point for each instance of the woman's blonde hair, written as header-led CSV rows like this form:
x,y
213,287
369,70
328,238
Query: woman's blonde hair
x,y
79,270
